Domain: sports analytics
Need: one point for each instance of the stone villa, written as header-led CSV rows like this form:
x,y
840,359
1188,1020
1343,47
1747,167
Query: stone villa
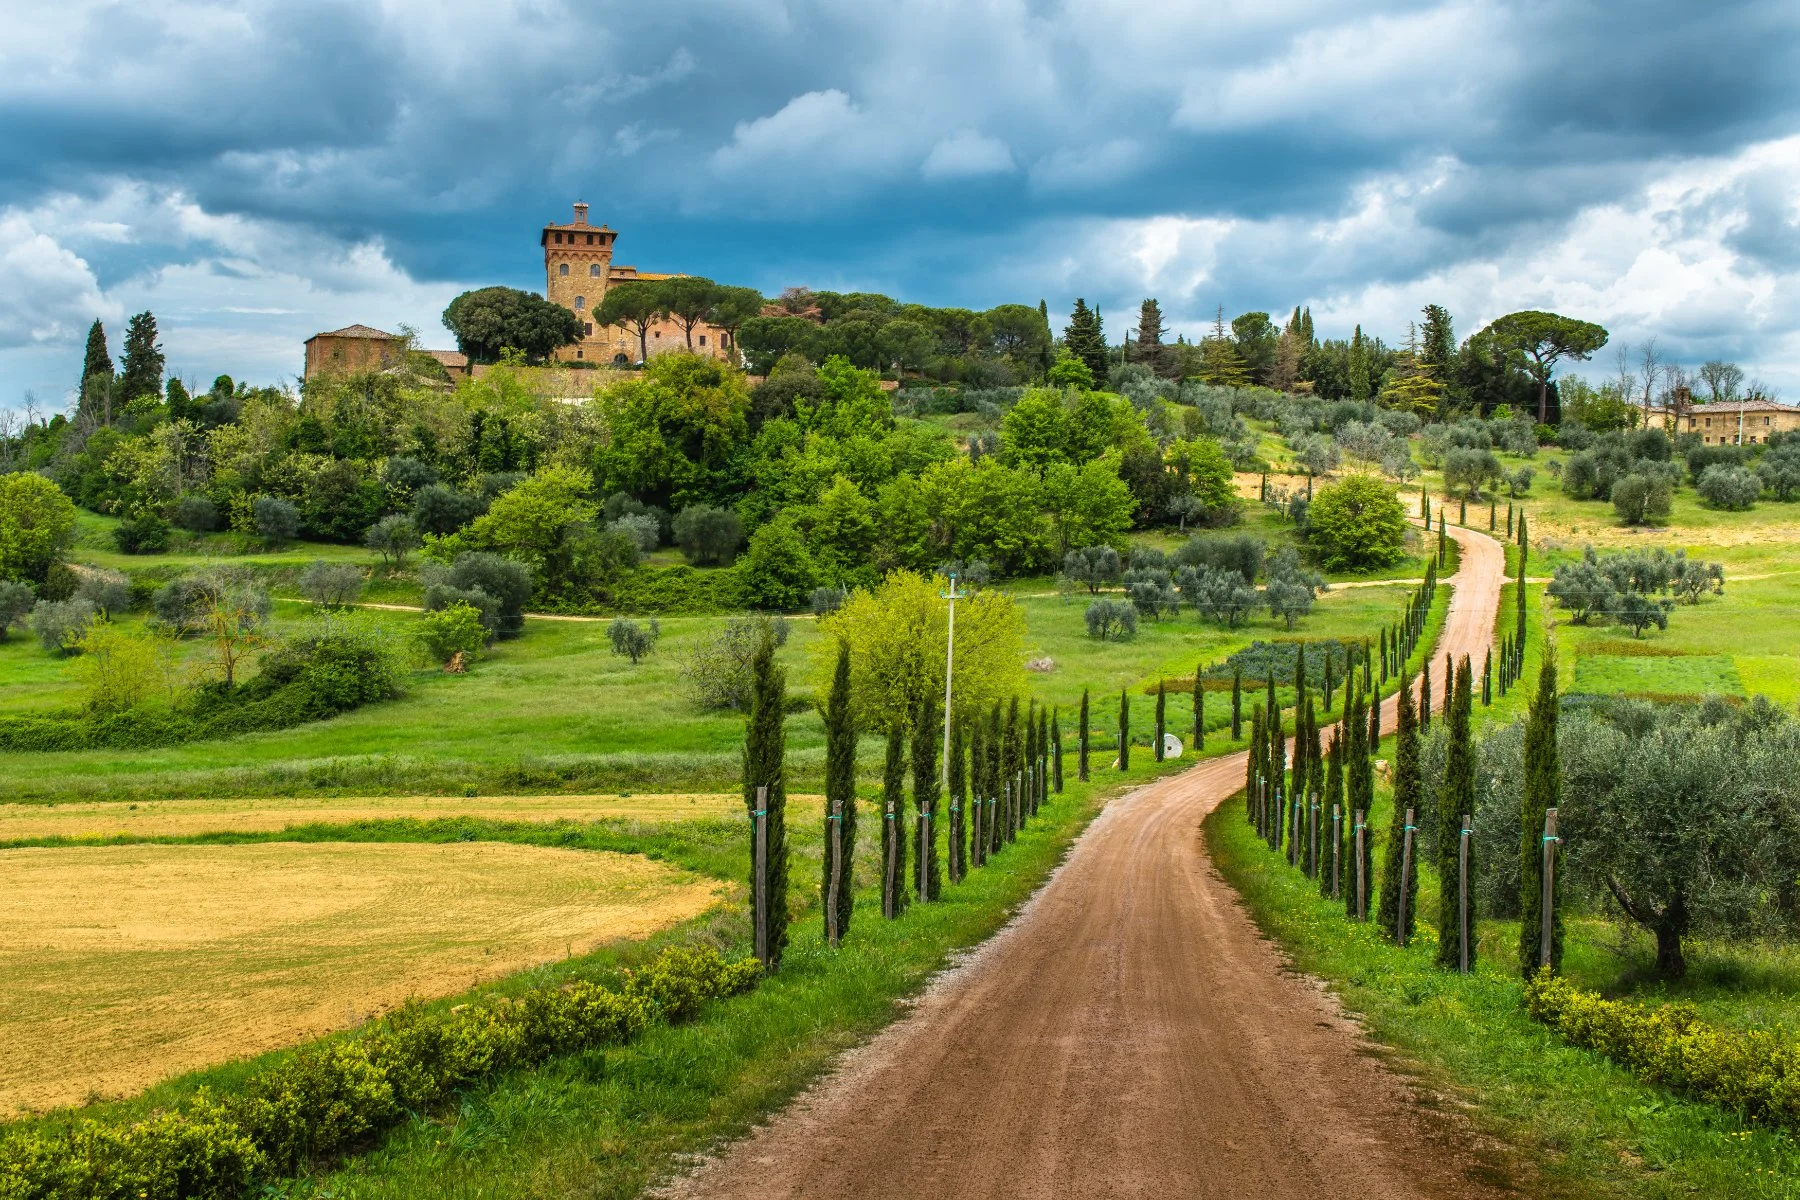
x,y
1738,422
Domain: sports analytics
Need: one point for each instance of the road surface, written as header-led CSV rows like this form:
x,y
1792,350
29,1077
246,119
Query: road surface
x,y
1130,1034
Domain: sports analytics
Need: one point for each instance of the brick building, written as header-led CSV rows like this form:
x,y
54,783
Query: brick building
x,y
1738,422
578,268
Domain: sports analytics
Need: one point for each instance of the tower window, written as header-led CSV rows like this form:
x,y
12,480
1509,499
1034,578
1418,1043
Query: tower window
x,y
578,354
703,339
588,328
559,239
581,302
590,239
594,270
562,268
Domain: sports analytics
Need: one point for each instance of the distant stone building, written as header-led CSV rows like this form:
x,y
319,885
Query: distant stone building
x,y
1738,422
357,348
578,268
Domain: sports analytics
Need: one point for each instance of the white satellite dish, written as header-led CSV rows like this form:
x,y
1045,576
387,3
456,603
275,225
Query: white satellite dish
x,y
1171,746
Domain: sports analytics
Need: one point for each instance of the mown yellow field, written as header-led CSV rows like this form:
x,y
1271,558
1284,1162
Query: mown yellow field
x,y
122,965
181,818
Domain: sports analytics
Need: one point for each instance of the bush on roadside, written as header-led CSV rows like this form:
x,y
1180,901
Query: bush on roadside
x,y
333,1097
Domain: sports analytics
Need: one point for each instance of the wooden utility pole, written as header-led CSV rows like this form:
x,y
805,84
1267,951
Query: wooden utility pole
x,y
1406,851
834,822
761,875
1546,903
1462,892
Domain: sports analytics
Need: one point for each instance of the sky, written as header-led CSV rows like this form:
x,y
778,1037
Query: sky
x,y
255,172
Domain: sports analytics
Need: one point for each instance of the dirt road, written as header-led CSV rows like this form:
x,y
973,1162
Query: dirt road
x,y
1131,1034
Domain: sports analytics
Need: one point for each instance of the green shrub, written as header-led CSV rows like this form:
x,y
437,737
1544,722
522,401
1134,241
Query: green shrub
x,y
680,591
148,534
1754,1072
334,1097
443,634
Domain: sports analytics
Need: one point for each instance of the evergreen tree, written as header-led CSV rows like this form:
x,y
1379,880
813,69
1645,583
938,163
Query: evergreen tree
x,y
1056,750
1086,339
1277,768
1543,787
1408,794
1455,801
959,790
840,790
1199,710
893,826
1081,760
1237,704
1360,795
1359,367
96,361
181,404
926,730
1333,801
1012,751
1425,699
765,752
1319,818
1253,771
978,791
1148,348
1374,722
1296,822
1161,718
1220,362
1124,731
1437,341
1043,760
997,789
1330,685
1487,679
142,373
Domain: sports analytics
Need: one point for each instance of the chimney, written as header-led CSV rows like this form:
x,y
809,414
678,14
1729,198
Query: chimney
x,y
581,212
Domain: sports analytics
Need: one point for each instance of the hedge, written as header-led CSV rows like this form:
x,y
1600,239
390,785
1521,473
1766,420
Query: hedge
x,y
1754,1072
300,682
334,1097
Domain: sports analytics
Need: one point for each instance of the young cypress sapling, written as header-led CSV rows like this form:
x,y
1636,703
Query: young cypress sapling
x,y
1331,874
1543,786
893,826
1124,731
1455,800
926,731
1056,750
840,792
1237,704
1359,795
1013,763
1199,710
1397,875
978,788
1253,771
997,783
1043,771
1162,713
765,752
1081,760
959,796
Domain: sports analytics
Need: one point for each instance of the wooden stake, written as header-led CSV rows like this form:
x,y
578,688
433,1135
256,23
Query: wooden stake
x,y
1462,892
1547,901
761,875
1406,847
1362,890
836,820
1337,841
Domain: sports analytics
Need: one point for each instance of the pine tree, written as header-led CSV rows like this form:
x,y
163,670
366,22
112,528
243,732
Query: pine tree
x,y
926,784
1056,750
893,827
1408,793
1085,338
765,752
1081,761
1359,367
142,373
840,790
959,796
1162,714
1237,704
1543,788
1199,709
1148,348
1124,731
1455,801
96,361
1220,362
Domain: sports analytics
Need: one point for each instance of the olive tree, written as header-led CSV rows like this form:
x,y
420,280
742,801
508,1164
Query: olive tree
x,y
1092,566
1112,620
632,640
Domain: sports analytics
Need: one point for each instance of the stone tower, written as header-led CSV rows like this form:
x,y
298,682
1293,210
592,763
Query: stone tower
x,y
577,268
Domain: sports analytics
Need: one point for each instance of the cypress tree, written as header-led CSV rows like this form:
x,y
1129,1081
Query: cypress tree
x,y
96,361
1199,710
1543,788
1356,740
1028,763
1334,799
1315,787
893,826
1509,520
959,796
1297,788
1407,794
1056,750
1456,799
1425,699
1493,512
840,789
926,731
998,805
1124,731
1012,757
1374,723
1328,688
1449,682
1086,339
1043,760
1081,761
1462,512
1253,770
978,786
1487,679
142,362
765,753
1237,704
1442,553
1161,718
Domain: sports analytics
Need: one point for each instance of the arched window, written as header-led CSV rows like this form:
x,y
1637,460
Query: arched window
x,y
580,303
594,270
620,360
562,268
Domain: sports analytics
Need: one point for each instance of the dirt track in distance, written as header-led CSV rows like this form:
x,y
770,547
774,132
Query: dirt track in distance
x,y
1130,1034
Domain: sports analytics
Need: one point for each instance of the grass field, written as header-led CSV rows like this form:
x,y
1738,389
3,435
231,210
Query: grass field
x,y
123,965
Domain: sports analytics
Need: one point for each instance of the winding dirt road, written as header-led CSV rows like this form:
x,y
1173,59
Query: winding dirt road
x,y
1130,1034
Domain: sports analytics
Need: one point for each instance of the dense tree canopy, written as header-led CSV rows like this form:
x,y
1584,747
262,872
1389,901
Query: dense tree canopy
x,y
492,320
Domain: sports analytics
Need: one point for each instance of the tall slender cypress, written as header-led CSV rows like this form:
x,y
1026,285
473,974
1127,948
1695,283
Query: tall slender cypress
x,y
1081,761
1162,715
765,754
1297,785
97,361
1013,760
893,825
1425,699
1056,750
840,790
1334,799
1543,788
997,785
1320,819
978,788
1253,769
1199,710
1359,796
1043,760
1487,679
1328,688
1456,799
1029,750
1237,704
959,797
1374,722
1408,794
1124,731
926,784
1449,682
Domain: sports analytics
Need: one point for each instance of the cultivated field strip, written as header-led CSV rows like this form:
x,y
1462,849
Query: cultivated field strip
x,y
123,965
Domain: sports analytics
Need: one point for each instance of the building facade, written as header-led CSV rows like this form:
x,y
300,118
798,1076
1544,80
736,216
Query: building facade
x,y
1739,422
578,269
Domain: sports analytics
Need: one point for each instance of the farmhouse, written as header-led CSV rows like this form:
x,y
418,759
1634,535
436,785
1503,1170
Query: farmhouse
x,y
1739,422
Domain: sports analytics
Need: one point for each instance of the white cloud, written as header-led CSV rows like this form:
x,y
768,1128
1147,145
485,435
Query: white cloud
x,y
966,154
47,293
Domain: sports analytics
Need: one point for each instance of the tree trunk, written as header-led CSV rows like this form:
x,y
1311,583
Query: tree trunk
x,y
1544,401
1670,963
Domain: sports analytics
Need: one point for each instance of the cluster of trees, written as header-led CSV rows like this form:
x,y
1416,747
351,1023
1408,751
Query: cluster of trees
x,y
1635,588
1216,575
1005,345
